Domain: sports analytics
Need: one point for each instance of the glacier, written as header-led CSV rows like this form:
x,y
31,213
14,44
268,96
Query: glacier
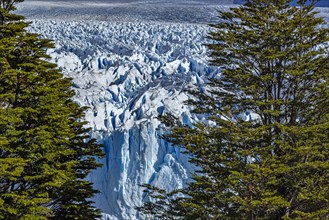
x,y
130,63
182,11
128,74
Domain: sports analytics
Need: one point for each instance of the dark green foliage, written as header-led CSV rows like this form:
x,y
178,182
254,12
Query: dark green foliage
x,y
276,166
165,206
44,149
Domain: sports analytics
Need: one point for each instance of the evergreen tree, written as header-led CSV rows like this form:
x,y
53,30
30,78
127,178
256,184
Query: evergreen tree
x,y
45,149
266,154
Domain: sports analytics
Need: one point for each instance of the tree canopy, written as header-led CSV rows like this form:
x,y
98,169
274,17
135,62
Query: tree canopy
x,y
45,148
266,153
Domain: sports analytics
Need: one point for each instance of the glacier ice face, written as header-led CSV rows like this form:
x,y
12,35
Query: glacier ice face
x,y
128,74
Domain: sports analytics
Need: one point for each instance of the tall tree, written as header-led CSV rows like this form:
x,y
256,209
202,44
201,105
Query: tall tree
x,y
45,149
266,154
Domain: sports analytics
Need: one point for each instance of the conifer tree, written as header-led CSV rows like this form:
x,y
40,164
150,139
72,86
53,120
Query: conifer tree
x,y
266,154
45,149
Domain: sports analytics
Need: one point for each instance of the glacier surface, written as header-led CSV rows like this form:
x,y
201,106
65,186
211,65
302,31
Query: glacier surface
x,y
128,74
183,11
